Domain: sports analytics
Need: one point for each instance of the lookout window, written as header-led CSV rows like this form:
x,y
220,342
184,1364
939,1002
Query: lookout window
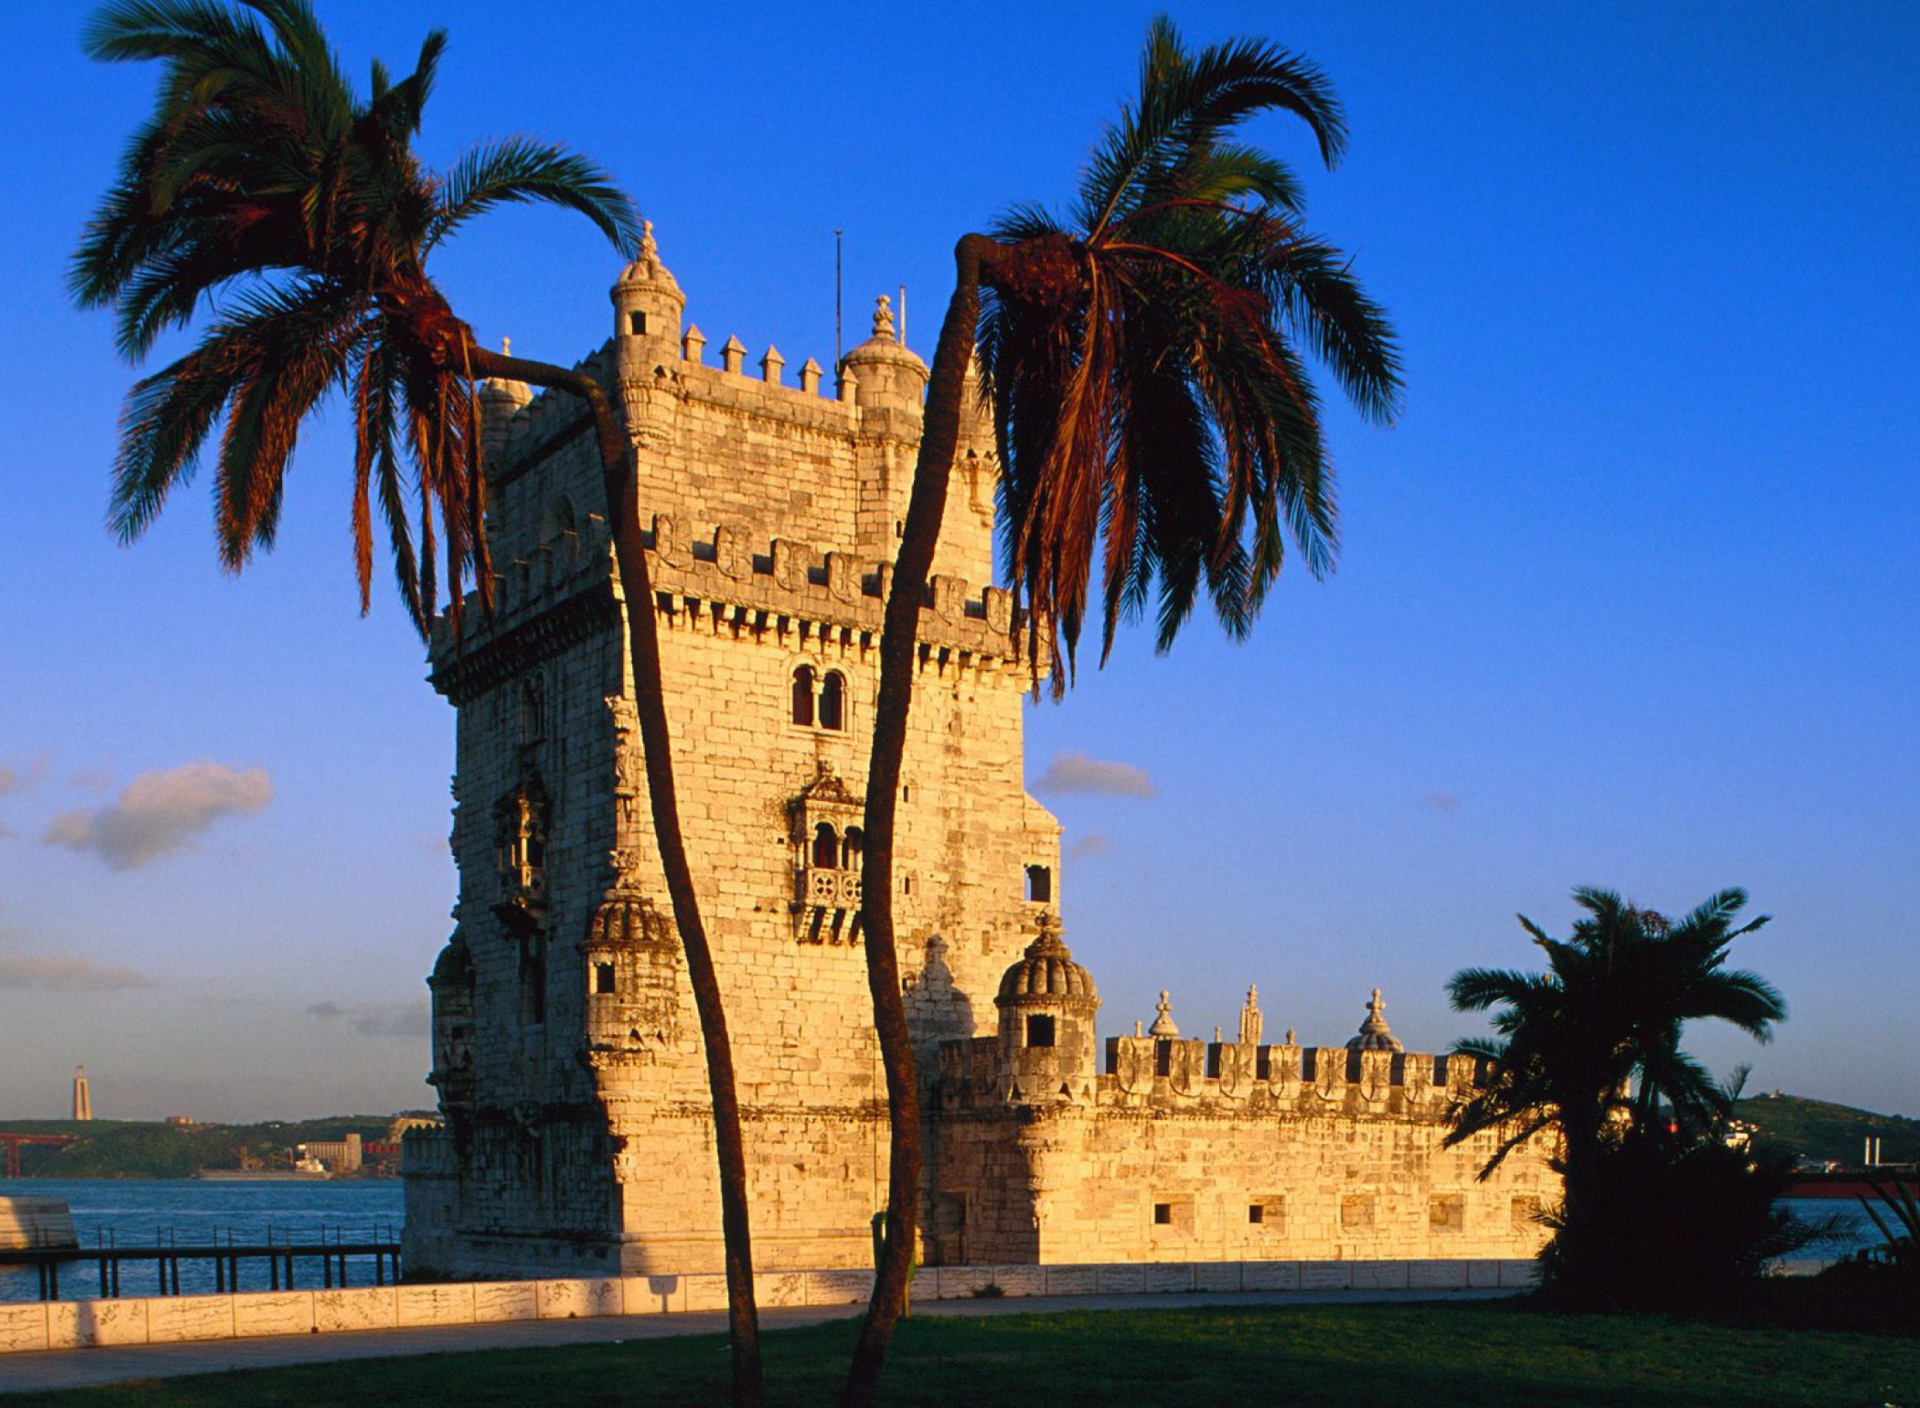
x,y
833,701
826,847
803,696
1163,1058
1040,884
637,324
1163,1214
1256,1213
853,848
603,977
1039,1030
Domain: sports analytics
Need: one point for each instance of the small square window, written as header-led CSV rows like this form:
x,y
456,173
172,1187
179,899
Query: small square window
x,y
1039,1030
603,977
1256,1213
637,324
1163,1214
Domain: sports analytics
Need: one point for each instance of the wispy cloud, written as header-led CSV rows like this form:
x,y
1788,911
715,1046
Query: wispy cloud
x,y
1077,773
55,972
411,1019
1094,843
159,813
1442,801
91,780
15,779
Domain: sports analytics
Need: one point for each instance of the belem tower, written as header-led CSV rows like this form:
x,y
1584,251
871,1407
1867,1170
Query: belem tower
x,y
566,1054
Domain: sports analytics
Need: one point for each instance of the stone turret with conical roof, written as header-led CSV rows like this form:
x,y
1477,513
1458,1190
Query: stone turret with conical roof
x,y
647,309
885,375
1047,1005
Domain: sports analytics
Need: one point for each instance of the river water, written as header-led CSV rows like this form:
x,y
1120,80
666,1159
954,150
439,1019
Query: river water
x,y
133,1212
152,1212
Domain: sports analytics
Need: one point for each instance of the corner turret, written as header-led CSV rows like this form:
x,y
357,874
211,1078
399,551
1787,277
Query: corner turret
x,y
1047,1004
647,309
884,373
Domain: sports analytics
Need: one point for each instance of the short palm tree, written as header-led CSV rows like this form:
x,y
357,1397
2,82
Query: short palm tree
x,y
1590,1049
1146,366
265,188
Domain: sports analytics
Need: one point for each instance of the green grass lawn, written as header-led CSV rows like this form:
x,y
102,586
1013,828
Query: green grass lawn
x,y
1209,1357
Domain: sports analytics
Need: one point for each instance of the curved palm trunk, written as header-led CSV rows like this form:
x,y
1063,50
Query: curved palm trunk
x,y
899,652
643,635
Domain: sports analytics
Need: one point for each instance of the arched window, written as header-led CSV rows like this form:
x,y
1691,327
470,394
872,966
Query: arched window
x,y
852,852
833,701
826,848
803,696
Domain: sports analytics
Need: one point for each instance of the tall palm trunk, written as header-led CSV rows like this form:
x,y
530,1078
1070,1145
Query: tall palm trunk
x,y
899,653
643,635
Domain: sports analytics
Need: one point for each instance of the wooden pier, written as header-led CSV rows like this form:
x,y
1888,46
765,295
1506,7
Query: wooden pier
x,y
281,1258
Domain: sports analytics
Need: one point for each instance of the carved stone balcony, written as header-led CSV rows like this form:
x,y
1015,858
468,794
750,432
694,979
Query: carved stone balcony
x,y
819,887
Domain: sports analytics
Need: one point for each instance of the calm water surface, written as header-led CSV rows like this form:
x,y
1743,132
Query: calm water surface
x,y
148,1212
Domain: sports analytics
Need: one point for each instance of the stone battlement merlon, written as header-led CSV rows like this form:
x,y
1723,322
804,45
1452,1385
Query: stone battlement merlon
x,y
791,584
1193,1076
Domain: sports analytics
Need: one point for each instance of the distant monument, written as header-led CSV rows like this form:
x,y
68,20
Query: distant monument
x,y
82,1095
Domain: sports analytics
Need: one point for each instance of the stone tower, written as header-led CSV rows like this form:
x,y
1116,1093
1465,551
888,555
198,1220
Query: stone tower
x,y
82,1095
567,1053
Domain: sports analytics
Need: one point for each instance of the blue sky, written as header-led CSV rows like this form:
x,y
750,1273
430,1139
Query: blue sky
x,y
1627,597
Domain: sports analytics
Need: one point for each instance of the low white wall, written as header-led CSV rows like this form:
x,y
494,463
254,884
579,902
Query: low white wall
x,y
35,1222
43,1325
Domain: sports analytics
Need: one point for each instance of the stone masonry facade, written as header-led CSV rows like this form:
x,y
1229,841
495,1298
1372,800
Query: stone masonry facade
x,y
566,1052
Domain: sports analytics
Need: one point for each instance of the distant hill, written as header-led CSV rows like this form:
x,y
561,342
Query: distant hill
x,y
1815,1129
143,1149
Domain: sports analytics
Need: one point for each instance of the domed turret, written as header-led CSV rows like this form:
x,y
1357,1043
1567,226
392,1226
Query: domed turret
x,y
1375,1034
1047,1004
883,371
647,305
500,400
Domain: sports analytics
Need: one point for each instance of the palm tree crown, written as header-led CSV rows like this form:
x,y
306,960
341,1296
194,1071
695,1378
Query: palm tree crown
x,y
1592,1046
264,187
1146,360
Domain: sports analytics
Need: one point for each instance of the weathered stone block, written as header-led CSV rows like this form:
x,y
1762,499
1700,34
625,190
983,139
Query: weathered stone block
x,y
1483,1275
848,1287
1437,1275
653,1295
1217,1276
1070,1280
1168,1276
1379,1275
171,1318
450,1304
1519,1275
1270,1276
23,1328
506,1300
362,1308
273,1313
1326,1275
707,1292
783,1288
1119,1280
576,1299
1020,1280
83,1324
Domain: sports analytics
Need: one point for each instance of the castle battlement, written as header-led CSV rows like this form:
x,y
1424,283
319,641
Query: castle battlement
x,y
805,597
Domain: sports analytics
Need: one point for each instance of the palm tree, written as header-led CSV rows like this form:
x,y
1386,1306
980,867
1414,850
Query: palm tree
x,y
264,187
1145,362
1590,1049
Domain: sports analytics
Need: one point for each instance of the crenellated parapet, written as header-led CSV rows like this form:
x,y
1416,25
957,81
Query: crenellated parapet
x,y
1368,1076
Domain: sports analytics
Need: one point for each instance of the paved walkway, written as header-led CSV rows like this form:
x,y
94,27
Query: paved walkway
x,y
83,1368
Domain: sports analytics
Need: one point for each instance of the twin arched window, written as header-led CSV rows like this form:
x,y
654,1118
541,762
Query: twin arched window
x,y
819,700
831,851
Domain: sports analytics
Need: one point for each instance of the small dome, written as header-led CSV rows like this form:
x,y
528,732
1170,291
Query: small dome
x,y
884,348
1047,972
503,395
647,270
454,967
1375,1034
